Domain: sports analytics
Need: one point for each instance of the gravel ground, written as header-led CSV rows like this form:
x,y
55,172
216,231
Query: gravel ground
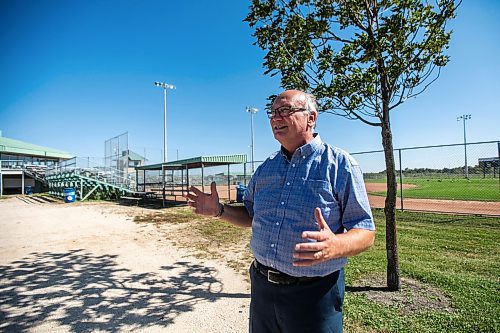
x,y
87,267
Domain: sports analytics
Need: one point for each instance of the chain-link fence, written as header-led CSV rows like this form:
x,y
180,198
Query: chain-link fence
x,y
454,178
116,153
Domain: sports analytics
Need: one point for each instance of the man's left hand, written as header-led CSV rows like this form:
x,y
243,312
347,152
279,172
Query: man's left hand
x,y
327,245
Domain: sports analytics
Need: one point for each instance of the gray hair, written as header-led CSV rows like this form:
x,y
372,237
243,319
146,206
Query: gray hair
x,y
311,103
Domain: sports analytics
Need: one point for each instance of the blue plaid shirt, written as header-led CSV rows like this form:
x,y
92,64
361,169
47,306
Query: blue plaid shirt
x,y
282,195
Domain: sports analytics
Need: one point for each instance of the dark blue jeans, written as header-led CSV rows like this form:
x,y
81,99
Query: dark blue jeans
x,y
311,306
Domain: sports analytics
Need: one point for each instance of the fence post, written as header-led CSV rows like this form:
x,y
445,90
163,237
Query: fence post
x,y
401,180
202,180
228,183
245,173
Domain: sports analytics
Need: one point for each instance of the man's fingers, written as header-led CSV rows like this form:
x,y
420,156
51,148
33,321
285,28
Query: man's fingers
x,y
213,189
308,255
303,259
195,190
314,235
309,247
321,221
312,253
191,196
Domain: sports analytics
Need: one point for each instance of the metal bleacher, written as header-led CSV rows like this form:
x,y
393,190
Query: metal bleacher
x,y
89,181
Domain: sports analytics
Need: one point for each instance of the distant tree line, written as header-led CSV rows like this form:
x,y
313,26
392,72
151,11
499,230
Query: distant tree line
x,y
477,170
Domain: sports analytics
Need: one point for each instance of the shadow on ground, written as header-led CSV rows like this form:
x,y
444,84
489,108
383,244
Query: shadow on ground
x,y
151,203
84,293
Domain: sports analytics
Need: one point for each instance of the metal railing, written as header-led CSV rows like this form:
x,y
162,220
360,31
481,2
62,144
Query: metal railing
x,y
22,164
92,168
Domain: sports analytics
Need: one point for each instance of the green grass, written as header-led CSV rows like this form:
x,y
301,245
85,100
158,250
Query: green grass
x,y
452,189
458,255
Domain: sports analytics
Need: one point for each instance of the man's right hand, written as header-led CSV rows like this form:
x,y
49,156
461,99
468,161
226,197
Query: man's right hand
x,y
204,203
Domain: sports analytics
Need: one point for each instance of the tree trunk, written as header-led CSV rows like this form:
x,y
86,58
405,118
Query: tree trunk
x,y
391,243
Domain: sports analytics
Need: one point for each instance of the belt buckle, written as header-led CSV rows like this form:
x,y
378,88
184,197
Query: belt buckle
x,y
269,274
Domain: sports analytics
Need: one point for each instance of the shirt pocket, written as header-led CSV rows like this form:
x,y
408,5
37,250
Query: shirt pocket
x,y
320,191
320,194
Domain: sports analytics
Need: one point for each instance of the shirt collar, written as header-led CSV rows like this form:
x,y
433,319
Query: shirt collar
x,y
307,149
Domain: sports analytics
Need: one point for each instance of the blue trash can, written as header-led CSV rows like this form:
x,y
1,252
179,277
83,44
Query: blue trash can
x,y
69,194
240,190
28,189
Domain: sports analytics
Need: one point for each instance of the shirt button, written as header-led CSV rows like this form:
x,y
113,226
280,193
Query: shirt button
x,y
288,183
293,165
282,202
277,223
303,157
272,245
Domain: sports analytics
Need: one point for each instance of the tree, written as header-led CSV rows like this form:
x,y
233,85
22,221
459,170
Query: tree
x,y
361,59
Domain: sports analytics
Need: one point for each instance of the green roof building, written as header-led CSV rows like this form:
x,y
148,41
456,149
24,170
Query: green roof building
x,y
22,165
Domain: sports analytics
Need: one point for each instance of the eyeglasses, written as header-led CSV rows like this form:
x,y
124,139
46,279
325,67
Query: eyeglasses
x,y
284,111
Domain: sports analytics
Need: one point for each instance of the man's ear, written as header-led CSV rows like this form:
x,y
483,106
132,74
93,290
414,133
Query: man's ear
x,y
311,119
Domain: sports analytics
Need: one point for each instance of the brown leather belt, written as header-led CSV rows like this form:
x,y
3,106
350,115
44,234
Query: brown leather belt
x,y
278,277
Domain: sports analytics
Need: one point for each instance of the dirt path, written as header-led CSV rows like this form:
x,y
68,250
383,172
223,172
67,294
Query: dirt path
x,y
89,267
443,206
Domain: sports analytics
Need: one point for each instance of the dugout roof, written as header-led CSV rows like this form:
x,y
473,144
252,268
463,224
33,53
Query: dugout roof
x,y
197,162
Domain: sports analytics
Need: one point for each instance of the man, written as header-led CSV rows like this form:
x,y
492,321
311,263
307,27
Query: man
x,y
308,209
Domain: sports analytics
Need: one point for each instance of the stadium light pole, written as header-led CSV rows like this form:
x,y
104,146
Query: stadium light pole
x,y
252,111
464,118
165,86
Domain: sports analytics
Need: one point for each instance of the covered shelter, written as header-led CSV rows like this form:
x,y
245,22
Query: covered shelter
x,y
489,163
171,184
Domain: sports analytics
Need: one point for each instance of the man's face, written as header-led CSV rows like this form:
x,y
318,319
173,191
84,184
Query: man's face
x,y
294,130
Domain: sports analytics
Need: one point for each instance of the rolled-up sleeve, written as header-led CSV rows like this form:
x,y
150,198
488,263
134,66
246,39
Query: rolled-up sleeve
x,y
248,197
354,199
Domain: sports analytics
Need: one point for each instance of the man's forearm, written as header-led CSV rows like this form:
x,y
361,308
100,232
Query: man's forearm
x,y
355,241
237,215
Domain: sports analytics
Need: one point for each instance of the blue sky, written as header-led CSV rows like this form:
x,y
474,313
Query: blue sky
x,y
76,73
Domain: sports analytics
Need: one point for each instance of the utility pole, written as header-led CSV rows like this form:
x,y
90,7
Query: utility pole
x,y
165,86
252,111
